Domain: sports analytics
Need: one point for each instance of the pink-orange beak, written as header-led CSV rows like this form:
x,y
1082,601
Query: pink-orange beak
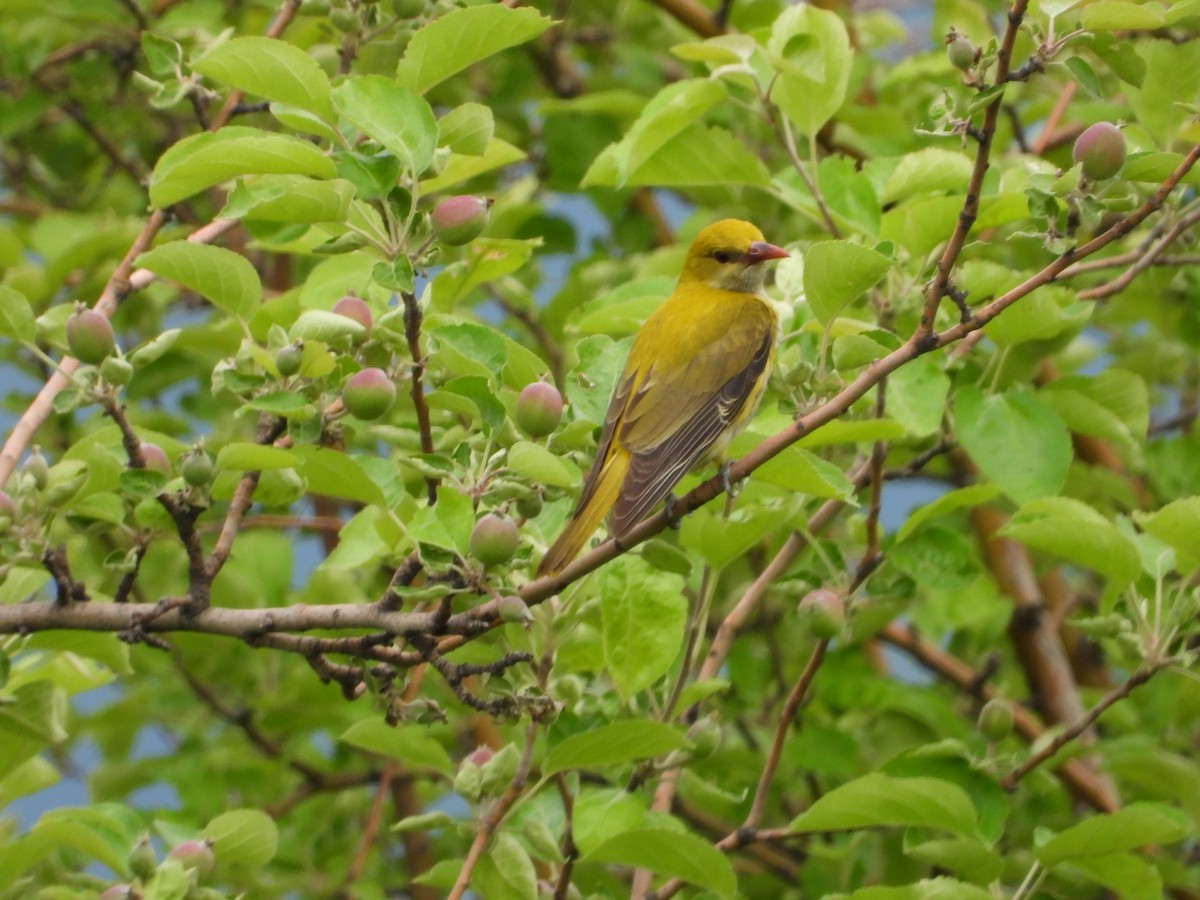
x,y
761,251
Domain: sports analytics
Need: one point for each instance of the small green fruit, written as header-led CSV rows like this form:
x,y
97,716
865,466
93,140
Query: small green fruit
x,y
530,506
513,609
116,370
705,735
142,861
961,52
824,612
90,336
37,468
369,394
196,467
1100,150
156,459
494,539
996,719
195,855
459,220
289,358
408,9
355,308
539,409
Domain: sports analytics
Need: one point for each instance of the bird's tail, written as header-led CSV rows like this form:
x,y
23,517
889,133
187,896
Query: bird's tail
x,y
587,518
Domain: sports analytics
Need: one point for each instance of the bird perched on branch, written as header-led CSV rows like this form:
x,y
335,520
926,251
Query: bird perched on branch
x,y
694,377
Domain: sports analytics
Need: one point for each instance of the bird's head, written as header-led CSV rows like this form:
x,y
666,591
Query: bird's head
x,y
728,255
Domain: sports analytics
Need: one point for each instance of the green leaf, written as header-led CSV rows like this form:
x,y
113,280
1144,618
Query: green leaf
x,y
396,117
408,744
1130,876
809,50
269,68
482,396
462,168
202,160
614,744
240,456
878,800
1016,439
926,889
325,326
16,316
537,464
916,395
487,259
1155,166
505,872
698,156
289,198
969,496
967,857
1119,15
799,470
224,277
1176,524
1137,825
642,614
930,170
1075,531
467,129
837,272
396,275
336,474
939,558
674,854
243,837
454,41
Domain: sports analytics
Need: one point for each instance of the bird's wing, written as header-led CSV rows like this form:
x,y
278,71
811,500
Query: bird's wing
x,y
674,415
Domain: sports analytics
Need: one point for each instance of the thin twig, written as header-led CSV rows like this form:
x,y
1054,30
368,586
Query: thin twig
x,y
569,851
412,333
1122,281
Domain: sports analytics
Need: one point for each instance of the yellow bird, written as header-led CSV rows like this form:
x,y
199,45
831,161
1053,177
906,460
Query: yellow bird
x,y
694,377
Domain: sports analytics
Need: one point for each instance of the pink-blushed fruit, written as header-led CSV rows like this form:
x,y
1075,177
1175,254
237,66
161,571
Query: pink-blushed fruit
x,y
996,719
459,220
289,358
355,308
1100,150
824,612
480,756
156,459
196,855
369,394
960,51
119,892
539,408
196,467
494,539
90,336
8,510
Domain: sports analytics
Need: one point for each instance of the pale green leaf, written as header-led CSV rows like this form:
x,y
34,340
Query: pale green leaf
x,y
671,853
1136,825
222,276
1077,532
613,744
269,68
393,115
410,745
697,156
837,272
878,800
642,614
243,837
16,316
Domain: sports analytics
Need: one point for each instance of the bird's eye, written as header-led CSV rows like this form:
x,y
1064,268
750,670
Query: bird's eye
x,y
722,256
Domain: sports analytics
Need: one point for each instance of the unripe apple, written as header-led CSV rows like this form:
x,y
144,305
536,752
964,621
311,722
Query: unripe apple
x,y
530,506
824,612
8,510
369,394
156,459
705,735
1100,150
513,609
90,336
494,539
996,719
116,370
960,51
37,468
355,308
539,409
195,855
289,358
196,467
142,861
459,220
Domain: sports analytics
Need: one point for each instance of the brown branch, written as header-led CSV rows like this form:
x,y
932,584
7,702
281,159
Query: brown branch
x,y
283,18
569,851
553,352
329,784
1148,259
495,815
412,333
1140,677
941,285
1042,142
693,15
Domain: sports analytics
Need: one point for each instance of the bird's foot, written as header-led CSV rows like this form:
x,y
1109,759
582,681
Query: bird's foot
x,y
672,512
728,486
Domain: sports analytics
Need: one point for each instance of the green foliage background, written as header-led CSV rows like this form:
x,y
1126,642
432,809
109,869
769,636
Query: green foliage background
x,y
1056,570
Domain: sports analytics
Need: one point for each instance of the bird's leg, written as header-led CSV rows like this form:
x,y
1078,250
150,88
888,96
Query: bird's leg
x,y
728,486
671,510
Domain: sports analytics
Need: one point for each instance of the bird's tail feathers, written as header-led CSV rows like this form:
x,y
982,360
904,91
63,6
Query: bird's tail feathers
x,y
586,520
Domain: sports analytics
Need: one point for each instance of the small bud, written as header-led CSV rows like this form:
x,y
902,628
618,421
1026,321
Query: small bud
x,y
37,468
369,394
824,612
961,52
513,609
530,506
196,467
90,336
355,308
156,459
1100,150
289,358
539,409
996,719
494,540
705,735
408,9
116,370
142,861
459,220
195,855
